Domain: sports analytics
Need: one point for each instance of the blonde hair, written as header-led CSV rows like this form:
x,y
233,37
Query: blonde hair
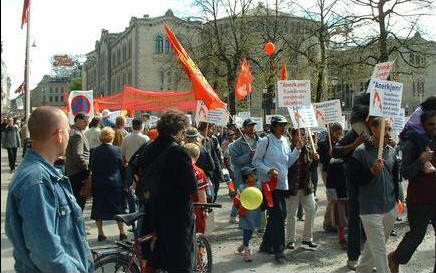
x,y
193,150
107,135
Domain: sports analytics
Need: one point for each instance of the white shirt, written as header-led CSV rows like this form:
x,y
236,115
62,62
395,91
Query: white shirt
x,y
93,137
132,143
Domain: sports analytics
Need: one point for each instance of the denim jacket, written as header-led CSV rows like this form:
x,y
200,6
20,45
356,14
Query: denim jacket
x,y
43,221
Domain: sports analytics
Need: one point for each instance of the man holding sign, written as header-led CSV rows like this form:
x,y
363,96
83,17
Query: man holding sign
x,y
377,179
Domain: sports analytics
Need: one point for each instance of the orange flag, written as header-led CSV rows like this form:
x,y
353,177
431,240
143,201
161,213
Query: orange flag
x,y
26,11
284,74
244,83
202,89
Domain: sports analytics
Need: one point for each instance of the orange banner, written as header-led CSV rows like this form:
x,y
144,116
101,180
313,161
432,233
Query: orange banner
x,y
244,82
135,99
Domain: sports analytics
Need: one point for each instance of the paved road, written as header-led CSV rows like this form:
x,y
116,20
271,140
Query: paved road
x,y
328,258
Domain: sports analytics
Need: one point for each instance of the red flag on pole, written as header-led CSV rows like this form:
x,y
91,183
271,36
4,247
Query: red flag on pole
x,y
20,89
284,74
244,82
25,15
202,89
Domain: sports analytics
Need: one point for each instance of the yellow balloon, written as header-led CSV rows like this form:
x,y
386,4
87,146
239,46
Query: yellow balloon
x,y
251,198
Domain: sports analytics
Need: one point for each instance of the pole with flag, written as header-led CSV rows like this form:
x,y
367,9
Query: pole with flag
x,y
25,19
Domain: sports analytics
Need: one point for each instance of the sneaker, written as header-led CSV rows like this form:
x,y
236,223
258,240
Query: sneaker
x,y
393,266
310,244
352,264
240,249
232,220
394,233
290,245
247,255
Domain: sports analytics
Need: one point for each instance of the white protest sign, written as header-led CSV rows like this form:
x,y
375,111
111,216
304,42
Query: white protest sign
x,y
293,93
344,122
259,123
189,119
385,98
382,70
129,122
243,115
303,117
238,121
81,101
113,115
217,116
152,122
328,111
399,121
268,119
20,104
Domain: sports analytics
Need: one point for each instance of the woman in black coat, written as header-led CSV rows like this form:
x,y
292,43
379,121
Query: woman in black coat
x,y
106,166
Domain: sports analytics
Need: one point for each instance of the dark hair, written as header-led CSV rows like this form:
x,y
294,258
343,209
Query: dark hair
x,y
172,122
202,126
294,131
335,127
427,115
429,104
375,122
79,116
95,122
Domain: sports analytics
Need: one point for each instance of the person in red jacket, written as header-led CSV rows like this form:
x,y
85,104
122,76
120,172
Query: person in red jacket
x,y
421,191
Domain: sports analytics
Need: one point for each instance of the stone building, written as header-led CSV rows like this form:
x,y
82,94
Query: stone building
x,y
50,91
5,88
141,56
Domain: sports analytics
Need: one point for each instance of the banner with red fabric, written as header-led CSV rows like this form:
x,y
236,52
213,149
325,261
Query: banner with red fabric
x,y
133,99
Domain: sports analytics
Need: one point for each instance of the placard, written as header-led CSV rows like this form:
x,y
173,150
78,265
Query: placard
x,y
303,117
382,70
328,112
201,112
259,124
217,116
243,115
268,119
113,115
129,122
81,101
293,93
385,98
399,121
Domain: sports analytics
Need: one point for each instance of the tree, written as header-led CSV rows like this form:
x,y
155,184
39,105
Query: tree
x,y
76,84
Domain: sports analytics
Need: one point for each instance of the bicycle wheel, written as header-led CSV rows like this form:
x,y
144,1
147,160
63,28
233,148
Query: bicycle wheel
x,y
204,255
116,264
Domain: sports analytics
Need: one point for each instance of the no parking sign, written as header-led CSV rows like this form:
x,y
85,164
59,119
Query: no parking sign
x,y
81,101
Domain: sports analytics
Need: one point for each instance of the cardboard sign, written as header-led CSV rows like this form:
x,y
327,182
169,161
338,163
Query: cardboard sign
x,y
328,112
293,93
152,122
20,104
238,121
303,117
129,122
344,122
382,70
113,115
268,119
399,121
259,123
218,116
385,98
243,115
81,101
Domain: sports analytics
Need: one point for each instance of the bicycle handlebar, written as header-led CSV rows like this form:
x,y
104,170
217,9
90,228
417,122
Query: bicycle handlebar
x,y
208,205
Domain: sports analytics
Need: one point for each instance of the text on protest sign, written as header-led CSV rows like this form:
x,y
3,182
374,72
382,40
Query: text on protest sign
x,y
218,116
328,112
385,98
382,70
293,93
303,117
399,121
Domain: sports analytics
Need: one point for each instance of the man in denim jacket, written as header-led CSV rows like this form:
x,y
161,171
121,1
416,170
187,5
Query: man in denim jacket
x,y
43,221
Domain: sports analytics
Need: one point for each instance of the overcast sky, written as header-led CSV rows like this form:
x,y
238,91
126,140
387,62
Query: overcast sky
x,y
72,27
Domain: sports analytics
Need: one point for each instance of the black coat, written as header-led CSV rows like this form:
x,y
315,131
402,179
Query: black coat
x,y
175,218
294,173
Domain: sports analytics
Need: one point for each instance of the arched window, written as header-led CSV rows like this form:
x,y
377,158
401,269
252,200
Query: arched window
x,y
159,45
167,46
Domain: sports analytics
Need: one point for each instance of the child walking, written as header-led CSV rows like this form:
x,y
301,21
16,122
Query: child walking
x,y
200,195
249,220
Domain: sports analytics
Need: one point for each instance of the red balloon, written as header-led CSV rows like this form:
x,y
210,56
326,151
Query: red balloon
x,y
270,49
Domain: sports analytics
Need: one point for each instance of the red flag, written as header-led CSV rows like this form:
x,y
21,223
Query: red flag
x,y
244,82
284,74
20,89
202,89
26,11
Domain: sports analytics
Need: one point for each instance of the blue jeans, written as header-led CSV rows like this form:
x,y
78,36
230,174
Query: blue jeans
x,y
246,237
132,200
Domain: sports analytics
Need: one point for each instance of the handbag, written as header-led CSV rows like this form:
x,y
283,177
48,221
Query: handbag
x,y
86,190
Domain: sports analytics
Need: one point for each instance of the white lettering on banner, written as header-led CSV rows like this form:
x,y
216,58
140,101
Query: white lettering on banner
x,y
259,123
385,98
328,112
303,117
382,70
293,93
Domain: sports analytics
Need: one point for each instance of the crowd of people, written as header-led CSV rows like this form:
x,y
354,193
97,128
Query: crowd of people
x,y
163,169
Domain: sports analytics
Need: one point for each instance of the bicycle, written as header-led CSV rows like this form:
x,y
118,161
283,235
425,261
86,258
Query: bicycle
x,y
126,256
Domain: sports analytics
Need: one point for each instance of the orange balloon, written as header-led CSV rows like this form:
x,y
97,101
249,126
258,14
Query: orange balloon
x,y
270,49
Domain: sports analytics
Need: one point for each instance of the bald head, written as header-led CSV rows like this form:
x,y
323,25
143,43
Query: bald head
x,y
44,121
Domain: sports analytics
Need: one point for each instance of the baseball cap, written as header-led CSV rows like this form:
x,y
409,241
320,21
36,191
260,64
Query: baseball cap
x,y
192,132
247,170
278,119
247,122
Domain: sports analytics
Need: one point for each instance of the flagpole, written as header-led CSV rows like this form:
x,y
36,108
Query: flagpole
x,y
27,71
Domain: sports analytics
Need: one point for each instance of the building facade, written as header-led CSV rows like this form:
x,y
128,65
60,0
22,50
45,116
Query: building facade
x,y
5,88
50,91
